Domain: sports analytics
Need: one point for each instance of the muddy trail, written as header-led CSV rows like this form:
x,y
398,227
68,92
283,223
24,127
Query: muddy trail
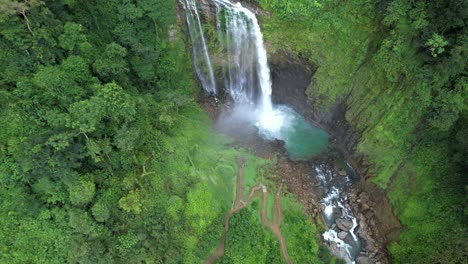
x,y
241,202
277,220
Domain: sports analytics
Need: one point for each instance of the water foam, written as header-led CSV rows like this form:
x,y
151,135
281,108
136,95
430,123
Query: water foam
x,y
247,53
271,123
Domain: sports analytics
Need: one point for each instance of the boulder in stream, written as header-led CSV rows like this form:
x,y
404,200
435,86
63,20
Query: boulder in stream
x,y
340,252
363,260
344,224
342,235
342,173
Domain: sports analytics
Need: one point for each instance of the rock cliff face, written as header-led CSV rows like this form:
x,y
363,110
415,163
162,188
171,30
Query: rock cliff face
x,y
377,224
290,78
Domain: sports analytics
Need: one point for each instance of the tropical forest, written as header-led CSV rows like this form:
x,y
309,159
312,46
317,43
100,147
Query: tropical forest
x,y
234,131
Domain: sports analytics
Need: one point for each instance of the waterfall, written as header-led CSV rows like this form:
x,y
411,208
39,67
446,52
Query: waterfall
x,y
201,58
248,74
246,55
242,55
247,79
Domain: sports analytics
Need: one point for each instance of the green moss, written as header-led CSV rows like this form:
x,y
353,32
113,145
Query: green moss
x,y
300,234
403,103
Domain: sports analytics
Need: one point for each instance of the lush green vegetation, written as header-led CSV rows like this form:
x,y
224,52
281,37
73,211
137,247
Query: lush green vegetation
x,y
401,69
105,157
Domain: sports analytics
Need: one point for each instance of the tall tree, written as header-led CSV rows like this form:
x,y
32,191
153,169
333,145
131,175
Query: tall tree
x,y
10,7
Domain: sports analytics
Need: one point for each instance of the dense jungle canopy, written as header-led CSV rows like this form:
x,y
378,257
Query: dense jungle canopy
x,y
105,154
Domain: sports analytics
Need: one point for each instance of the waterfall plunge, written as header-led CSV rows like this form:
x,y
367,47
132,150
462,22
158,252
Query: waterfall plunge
x,y
247,73
246,56
242,55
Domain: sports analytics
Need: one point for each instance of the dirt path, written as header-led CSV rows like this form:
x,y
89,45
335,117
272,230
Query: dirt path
x,y
241,202
277,220
240,181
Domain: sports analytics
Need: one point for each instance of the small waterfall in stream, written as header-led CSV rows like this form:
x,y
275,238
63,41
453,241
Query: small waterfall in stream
x,y
341,222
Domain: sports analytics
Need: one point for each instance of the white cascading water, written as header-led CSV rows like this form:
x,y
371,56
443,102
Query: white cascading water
x,y
247,55
240,53
247,64
201,58
334,201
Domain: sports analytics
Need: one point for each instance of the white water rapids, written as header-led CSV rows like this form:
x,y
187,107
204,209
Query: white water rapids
x,y
335,207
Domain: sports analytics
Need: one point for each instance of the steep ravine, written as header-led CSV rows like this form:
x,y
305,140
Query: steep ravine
x,y
377,225
291,76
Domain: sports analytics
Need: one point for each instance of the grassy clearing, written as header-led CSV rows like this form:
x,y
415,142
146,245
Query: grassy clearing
x,y
214,163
